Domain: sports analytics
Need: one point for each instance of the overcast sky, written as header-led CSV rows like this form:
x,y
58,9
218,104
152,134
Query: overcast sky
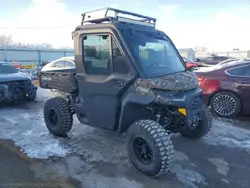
x,y
218,25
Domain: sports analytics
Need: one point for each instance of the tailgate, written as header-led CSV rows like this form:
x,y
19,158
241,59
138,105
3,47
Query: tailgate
x,y
62,81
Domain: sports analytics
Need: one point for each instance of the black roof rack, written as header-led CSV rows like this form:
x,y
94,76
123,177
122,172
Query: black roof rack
x,y
102,15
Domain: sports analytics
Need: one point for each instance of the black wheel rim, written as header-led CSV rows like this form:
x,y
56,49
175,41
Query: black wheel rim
x,y
142,150
53,117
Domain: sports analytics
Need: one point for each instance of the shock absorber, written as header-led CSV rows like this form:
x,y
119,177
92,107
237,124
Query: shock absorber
x,y
71,107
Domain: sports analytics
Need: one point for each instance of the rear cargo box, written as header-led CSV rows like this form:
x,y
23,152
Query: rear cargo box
x,y
62,81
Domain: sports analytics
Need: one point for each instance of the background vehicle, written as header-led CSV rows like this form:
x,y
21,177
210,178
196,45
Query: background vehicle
x,y
190,63
15,86
60,64
129,78
226,87
227,61
213,60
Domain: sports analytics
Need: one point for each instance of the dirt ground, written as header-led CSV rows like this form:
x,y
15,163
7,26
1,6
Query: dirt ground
x,y
93,158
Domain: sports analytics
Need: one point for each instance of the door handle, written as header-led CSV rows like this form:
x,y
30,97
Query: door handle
x,y
119,83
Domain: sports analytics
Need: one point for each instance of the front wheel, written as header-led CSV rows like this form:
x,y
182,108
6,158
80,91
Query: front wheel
x,y
57,116
150,148
201,127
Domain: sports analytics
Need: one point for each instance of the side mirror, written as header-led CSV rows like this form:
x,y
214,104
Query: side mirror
x,y
191,68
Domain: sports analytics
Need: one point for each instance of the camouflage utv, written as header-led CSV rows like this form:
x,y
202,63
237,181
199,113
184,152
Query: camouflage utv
x,y
128,77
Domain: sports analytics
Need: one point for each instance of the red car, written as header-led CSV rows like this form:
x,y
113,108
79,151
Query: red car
x,y
191,65
226,87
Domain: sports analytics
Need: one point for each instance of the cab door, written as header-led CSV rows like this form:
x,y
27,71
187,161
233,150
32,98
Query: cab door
x,y
105,80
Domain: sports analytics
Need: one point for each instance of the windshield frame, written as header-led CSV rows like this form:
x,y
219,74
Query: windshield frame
x,y
157,35
8,72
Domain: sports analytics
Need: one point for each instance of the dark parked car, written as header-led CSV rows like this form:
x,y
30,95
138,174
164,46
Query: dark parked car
x,y
15,86
213,60
226,87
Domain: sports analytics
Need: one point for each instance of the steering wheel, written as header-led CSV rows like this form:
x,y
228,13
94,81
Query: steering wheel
x,y
156,65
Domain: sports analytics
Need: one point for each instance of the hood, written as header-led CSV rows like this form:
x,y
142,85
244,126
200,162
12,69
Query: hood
x,y
13,77
181,81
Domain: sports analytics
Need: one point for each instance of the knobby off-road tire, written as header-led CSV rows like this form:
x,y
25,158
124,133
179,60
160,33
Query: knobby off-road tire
x,y
203,127
159,143
57,116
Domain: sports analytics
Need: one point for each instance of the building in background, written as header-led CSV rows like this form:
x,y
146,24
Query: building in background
x,y
231,54
187,53
27,57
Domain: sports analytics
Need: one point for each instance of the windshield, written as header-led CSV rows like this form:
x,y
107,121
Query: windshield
x,y
156,55
7,69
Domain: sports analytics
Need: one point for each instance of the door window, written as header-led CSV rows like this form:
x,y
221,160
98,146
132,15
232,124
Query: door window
x,y
119,62
59,64
97,55
96,50
69,64
240,71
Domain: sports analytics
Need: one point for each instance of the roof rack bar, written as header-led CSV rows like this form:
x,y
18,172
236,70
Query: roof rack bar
x,y
131,13
89,16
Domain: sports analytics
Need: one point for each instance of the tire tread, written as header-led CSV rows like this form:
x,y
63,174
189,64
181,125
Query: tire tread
x,y
162,142
66,117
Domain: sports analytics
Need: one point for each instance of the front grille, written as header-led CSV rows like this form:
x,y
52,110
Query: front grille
x,y
14,90
196,103
19,84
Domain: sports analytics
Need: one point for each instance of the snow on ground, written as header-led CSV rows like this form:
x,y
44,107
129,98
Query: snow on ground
x,y
187,176
29,133
226,133
25,126
27,129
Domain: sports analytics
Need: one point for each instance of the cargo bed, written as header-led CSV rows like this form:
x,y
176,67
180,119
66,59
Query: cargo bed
x,y
62,80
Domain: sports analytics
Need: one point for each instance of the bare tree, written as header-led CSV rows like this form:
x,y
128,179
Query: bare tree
x,y
67,48
45,45
200,49
5,40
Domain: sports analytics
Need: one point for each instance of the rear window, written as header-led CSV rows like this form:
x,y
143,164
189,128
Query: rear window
x,y
7,69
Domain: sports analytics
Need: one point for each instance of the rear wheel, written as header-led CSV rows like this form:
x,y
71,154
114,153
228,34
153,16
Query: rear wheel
x,y
201,127
226,104
150,148
58,117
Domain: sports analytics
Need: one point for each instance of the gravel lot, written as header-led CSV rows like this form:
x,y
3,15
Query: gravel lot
x,y
93,158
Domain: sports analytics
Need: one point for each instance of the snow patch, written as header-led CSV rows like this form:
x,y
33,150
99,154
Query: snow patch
x,y
226,134
26,127
98,181
30,134
90,177
187,176
96,145
221,165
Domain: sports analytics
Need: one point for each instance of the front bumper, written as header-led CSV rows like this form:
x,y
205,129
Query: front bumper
x,y
15,91
191,101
